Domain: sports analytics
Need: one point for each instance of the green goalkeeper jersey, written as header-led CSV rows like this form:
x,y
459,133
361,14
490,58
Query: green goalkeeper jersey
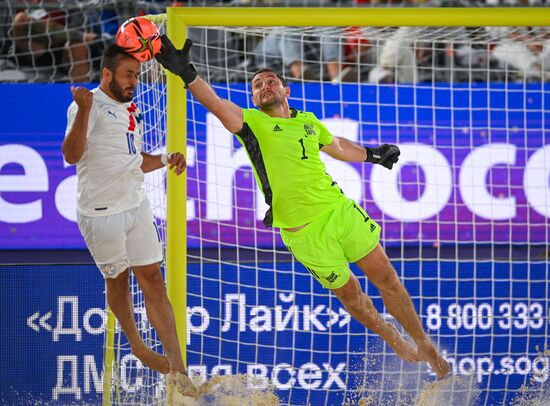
x,y
286,159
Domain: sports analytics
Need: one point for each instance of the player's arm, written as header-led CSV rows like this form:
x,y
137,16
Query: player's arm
x,y
174,160
74,144
177,61
346,150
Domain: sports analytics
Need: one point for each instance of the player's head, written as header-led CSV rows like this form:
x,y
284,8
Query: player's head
x,y
119,73
267,70
269,89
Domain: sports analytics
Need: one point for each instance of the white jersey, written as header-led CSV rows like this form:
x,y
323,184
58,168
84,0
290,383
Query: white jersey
x,y
109,173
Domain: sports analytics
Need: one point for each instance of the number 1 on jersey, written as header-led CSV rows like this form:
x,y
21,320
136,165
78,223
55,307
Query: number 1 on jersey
x,y
301,141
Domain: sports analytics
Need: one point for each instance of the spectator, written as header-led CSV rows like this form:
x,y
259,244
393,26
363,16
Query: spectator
x,y
525,49
295,51
42,38
8,68
359,50
397,60
5,22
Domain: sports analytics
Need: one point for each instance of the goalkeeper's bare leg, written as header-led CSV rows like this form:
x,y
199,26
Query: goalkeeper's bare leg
x,y
120,302
359,305
378,268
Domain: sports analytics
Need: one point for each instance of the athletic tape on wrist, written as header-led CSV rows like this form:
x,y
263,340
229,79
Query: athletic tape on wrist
x,y
164,158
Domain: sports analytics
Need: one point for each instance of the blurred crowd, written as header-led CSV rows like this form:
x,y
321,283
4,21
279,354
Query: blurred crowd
x,y
62,40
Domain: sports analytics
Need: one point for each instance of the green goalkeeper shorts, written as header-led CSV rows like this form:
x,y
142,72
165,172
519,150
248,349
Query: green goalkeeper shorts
x,y
327,245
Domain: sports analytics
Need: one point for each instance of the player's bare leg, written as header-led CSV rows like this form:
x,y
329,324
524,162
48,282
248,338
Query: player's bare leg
x,y
380,271
180,389
427,352
120,302
360,306
160,312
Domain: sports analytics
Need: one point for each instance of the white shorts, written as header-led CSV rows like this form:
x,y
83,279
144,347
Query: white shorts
x,y
122,240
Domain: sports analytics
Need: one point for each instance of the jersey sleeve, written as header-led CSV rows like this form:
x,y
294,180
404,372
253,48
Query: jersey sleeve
x,y
325,137
71,115
250,116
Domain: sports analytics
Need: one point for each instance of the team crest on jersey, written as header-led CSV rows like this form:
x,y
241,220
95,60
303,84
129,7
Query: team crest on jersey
x,y
308,128
134,116
108,269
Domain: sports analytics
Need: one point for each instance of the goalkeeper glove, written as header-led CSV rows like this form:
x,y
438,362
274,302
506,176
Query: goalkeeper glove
x,y
385,155
177,60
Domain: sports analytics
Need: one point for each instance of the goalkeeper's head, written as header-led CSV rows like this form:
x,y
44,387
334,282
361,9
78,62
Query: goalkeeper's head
x,y
269,89
263,70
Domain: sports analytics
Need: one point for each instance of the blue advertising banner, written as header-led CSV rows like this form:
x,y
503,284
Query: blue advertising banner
x,y
52,334
37,188
475,167
492,331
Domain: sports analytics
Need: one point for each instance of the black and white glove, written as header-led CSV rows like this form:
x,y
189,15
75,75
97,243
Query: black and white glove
x,y
177,60
385,155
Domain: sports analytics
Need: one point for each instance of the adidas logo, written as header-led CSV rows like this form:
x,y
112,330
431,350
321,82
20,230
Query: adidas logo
x,y
277,128
372,227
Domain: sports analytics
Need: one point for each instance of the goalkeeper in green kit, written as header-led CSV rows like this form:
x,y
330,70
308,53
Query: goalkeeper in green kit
x,y
323,229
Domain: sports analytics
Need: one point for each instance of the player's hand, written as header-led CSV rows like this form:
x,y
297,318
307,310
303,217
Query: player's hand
x,y
177,60
82,97
176,161
385,155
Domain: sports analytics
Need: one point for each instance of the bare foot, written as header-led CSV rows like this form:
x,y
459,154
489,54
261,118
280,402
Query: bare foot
x,y
153,360
403,348
180,390
428,352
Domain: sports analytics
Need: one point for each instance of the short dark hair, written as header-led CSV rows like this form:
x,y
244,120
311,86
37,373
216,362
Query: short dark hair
x,y
112,55
282,79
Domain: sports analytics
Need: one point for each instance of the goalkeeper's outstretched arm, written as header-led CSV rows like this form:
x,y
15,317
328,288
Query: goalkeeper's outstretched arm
x,y
227,112
177,61
345,150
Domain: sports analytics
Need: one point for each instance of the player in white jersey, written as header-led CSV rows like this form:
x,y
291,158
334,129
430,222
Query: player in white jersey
x,y
103,138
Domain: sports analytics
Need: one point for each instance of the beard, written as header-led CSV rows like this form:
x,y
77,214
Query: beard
x,y
269,102
120,93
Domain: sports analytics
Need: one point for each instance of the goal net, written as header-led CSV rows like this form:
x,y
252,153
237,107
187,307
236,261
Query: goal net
x,y
464,215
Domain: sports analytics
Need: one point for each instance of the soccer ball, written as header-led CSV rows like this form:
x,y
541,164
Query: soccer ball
x,y
140,38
